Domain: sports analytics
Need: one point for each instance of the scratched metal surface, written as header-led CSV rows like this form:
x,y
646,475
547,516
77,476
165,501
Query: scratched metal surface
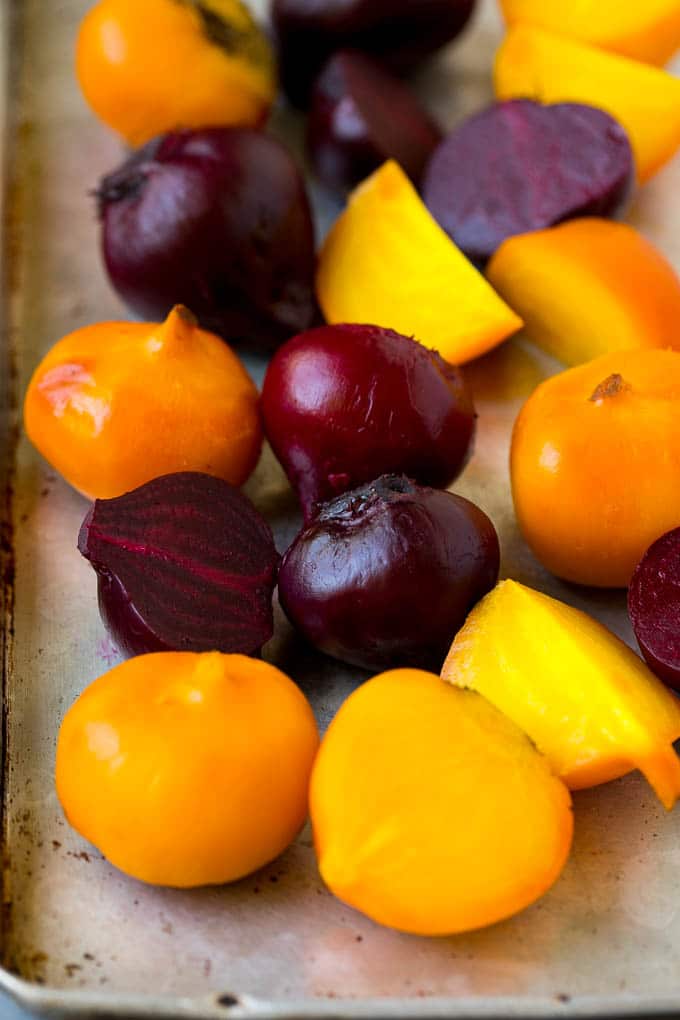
x,y
79,937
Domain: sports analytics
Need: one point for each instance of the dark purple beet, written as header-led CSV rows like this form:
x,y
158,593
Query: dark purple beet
x,y
344,404
361,116
184,563
399,32
385,575
654,607
218,220
520,166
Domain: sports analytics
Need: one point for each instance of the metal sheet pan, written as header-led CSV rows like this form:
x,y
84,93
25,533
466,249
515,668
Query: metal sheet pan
x,y
78,937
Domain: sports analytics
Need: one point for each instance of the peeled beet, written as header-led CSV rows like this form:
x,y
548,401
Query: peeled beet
x,y
386,574
654,607
399,32
184,563
217,220
520,166
344,404
361,116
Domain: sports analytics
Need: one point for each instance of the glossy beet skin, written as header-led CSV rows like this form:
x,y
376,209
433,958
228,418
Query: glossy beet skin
x,y
399,32
654,607
360,116
344,404
520,166
183,563
385,575
218,220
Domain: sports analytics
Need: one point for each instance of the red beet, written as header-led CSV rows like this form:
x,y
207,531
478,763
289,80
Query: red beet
x,y
185,563
385,575
345,404
360,116
520,166
399,32
217,220
654,607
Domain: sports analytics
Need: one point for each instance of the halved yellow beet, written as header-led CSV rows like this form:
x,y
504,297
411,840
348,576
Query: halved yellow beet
x,y
585,699
387,262
534,64
648,31
432,812
588,287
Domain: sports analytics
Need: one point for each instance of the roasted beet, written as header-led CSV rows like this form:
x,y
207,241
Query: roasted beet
x,y
360,116
400,32
217,220
654,607
185,563
520,166
345,404
386,574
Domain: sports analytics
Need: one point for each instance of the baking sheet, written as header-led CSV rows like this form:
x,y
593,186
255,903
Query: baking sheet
x,y
78,936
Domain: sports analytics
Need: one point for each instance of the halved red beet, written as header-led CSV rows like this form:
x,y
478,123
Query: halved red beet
x,y
184,563
360,116
654,607
520,166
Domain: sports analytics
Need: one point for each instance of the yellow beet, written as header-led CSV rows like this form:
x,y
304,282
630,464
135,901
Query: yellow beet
x,y
585,699
534,64
647,31
386,261
432,812
588,287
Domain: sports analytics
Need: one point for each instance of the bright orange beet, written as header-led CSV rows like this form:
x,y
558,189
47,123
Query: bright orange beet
x,y
432,812
386,261
534,64
648,31
146,68
586,700
187,769
587,287
116,404
595,465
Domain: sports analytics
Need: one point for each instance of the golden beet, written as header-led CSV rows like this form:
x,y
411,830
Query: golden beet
x,y
116,404
159,65
386,261
187,769
432,812
534,64
587,287
595,465
585,699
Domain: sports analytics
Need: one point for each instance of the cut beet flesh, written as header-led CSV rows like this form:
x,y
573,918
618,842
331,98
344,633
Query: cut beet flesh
x,y
520,166
654,607
184,562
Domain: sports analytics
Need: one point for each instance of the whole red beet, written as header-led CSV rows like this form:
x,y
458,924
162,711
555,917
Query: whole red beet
x,y
654,607
344,404
361,116
519,166
183,563
385,575
218,220
399,32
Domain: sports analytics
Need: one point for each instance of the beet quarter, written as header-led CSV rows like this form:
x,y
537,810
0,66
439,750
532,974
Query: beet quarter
x,y
654,607
184,563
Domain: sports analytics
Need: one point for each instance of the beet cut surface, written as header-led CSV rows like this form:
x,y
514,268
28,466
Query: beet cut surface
x,y
654,607
520,166
184,563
